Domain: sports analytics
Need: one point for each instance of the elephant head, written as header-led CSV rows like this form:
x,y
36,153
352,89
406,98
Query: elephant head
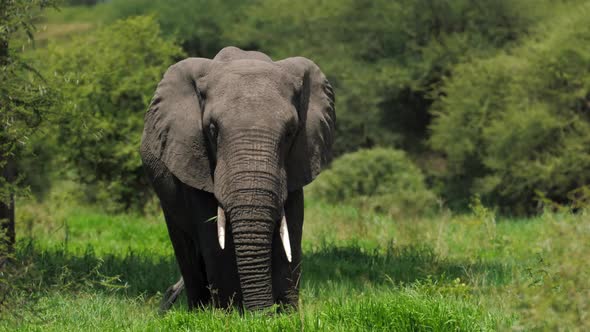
x,y
248,130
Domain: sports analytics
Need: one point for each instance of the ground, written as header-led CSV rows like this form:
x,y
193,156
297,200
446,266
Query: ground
x,y
80,269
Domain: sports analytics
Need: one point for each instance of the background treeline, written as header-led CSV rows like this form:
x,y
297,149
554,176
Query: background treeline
x,y
455,98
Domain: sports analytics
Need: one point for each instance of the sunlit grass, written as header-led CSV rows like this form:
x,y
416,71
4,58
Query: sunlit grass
x,y
401,310
81,269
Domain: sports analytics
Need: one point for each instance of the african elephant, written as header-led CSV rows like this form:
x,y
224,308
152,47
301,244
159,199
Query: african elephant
x,y
228,145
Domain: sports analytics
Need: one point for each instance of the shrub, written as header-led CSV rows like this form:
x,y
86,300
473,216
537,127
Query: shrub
x,y
107,79
197,25
382,180
385,58
519,124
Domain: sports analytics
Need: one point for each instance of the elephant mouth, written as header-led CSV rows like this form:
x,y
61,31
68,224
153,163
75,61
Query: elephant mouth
x,y
283,231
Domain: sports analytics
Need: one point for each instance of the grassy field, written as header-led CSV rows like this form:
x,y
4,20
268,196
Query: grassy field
x,y
80,269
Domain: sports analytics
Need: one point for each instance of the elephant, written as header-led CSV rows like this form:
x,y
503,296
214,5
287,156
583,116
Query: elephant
x,y
228,145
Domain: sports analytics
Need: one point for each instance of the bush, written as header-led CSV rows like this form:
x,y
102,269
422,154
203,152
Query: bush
x,y
196,24
517,125
107,80
385,58
381,180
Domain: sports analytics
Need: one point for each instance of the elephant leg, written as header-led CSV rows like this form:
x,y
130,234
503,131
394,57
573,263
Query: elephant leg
x,y
171,295
287,275
177,201
191,266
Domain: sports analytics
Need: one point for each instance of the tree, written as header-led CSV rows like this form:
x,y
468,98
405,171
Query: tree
x,y
105,95
518,125
24,98
385,58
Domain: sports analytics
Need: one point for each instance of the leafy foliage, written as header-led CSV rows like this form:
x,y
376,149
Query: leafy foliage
x,y
518,124
380,179
82,2
24,98
385,58
200,33
23,92
395,65
107,79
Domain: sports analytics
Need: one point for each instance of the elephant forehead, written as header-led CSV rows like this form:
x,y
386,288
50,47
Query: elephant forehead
x,y
250,75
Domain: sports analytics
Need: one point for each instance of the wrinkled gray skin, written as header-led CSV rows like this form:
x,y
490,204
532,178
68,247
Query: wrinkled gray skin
x,y
244,133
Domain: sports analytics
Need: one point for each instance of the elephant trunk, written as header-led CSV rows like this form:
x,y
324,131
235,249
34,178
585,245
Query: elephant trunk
x,y
252,227
252,192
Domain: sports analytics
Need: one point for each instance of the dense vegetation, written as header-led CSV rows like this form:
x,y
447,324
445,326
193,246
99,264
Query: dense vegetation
x,y
487,98
24,99
518,123
443,106
104,96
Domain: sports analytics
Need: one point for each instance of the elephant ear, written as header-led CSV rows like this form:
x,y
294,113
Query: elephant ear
x,y
311,151
173,130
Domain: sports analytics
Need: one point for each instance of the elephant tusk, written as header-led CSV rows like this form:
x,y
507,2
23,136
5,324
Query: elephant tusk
x,y
284,232
221,227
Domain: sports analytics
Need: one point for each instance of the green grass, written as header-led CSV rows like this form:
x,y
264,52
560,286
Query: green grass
x,y
80,269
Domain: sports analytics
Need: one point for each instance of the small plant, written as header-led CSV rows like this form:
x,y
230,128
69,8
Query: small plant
x,y
483,215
